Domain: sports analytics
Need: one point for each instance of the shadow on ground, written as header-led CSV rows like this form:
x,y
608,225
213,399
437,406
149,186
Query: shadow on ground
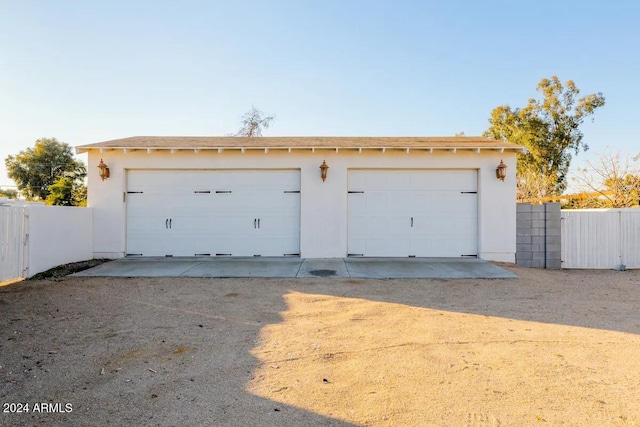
x,y
138,352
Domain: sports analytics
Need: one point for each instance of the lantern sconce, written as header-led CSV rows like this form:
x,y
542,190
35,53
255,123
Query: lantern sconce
x,y
501,171
103,170
323,170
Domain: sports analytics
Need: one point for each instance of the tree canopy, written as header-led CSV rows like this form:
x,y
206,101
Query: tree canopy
x,y
550,129
8,193
253,121
66,192
36,169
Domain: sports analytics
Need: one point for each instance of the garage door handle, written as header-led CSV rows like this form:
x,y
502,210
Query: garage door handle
x,y
258,222
169,222
411,221
255,222
166,223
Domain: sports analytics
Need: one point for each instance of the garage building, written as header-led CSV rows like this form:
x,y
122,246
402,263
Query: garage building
x,y
267,196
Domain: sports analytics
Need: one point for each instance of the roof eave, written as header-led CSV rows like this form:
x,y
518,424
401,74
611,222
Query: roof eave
x,y
454,149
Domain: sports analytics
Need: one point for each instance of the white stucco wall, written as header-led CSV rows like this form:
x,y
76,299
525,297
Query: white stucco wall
x,y
323,231
58,235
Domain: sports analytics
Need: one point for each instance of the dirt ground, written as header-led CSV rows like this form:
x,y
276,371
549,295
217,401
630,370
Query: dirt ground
x,y
548,348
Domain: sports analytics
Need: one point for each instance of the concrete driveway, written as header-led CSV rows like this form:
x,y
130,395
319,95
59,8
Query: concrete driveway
x,y
361,268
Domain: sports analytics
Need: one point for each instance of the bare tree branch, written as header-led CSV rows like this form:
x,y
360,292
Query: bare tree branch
x,y
616,182
253,122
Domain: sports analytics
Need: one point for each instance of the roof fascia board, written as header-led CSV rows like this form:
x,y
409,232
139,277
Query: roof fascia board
x,y
359,149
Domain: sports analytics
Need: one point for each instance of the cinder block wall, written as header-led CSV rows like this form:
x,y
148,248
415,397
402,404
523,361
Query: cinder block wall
x,y
538,235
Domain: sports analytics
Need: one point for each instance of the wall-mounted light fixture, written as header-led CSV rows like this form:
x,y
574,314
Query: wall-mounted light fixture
x,y
501,171
324,168
103,170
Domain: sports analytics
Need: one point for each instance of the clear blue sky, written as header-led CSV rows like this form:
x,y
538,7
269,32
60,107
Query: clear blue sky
x,y
89,71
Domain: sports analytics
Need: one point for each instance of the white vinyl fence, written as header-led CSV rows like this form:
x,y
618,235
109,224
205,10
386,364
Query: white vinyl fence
x,y
35,237
13,240
601,238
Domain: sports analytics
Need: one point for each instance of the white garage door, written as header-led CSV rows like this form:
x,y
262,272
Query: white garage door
x,y
422,213
233,213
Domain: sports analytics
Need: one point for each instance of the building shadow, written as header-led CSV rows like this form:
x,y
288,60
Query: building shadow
x,y
154,352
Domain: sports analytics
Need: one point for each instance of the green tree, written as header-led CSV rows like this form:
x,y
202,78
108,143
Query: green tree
x,y
67,192
8,193
35,169
549,128
61,192
80,195
253,122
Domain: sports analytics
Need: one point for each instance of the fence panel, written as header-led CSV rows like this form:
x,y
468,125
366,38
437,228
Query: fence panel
x,y
600,238
13,241
58,235
630,222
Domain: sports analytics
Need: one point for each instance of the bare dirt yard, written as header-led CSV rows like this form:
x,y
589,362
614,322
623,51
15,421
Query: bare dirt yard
x,y
548,348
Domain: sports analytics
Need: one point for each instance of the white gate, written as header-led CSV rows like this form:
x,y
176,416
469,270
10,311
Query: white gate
x,y
601,238
13,240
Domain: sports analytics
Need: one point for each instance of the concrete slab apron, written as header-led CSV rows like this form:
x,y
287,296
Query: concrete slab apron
x,y
246,267
329,267
425,268
363,268
142,267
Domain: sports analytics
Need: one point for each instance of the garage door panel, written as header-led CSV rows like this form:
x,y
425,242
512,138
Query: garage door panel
x,y
148,246
413,180
279,201
257,180
444,180
274,225
162,181
375,201
444,247
398,201
356,245
357,228
213,212
357,204
379,202
412,212
463,203
396,181
396,247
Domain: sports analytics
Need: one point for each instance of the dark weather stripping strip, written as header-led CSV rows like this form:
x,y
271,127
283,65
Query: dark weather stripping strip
x,y
223,254
134,254
124,195
201,254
